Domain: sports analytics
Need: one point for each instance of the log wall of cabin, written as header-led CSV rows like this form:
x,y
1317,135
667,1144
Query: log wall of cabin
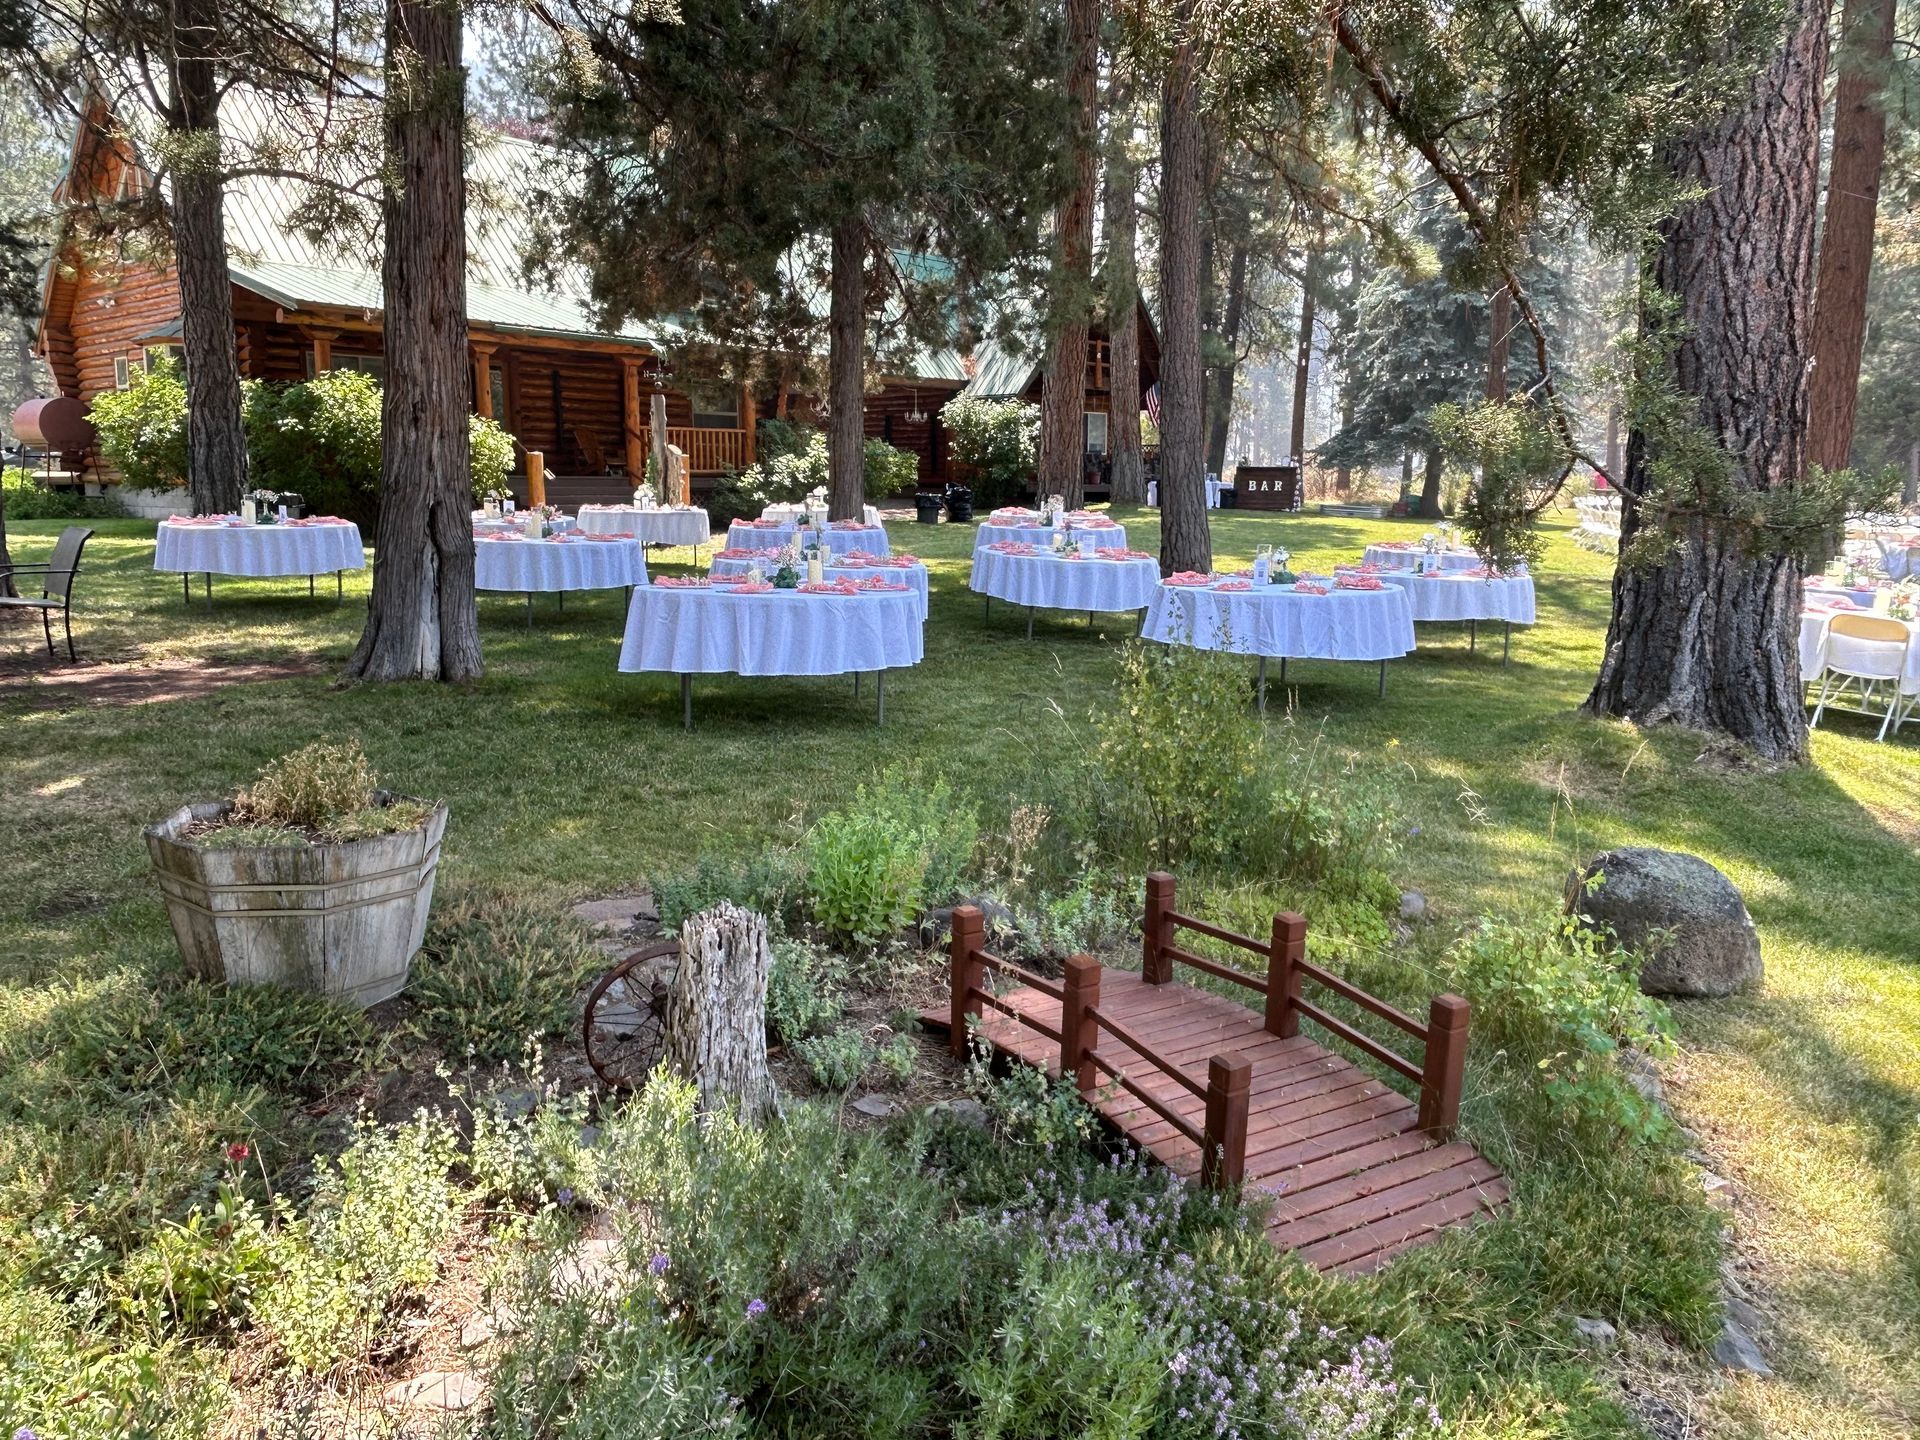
x,y
886,419
590,399
110,313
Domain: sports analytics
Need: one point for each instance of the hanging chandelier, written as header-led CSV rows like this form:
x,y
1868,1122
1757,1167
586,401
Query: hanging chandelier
x,y
916,416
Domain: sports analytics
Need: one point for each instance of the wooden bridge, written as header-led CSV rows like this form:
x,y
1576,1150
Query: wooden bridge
x,y
1227,1095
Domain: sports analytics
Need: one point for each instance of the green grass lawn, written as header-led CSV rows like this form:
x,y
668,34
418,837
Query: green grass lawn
x,y
566,778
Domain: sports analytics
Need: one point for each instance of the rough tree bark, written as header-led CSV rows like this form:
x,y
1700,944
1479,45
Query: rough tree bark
x,y
422,624
716,1020
1303,361
1709,638
1063,389
1220,393
846,372
1846,242
1121,220
216,432
1430,506
1186,543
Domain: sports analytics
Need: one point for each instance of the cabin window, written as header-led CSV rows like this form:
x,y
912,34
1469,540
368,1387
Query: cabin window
x,y
374,365
712,415
122,372
1096,432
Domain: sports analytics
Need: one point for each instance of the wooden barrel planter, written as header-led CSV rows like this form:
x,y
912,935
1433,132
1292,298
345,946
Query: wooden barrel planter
x,y
344,919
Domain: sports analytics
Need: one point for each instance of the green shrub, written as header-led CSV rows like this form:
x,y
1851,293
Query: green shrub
x,y
319,438
200,1274
903,844
370,1236
490,455
769,882
25,498
798,464
998,440
805,990
1563,1002
233,1036
497,971
143,429
836,1061
310,788
887,469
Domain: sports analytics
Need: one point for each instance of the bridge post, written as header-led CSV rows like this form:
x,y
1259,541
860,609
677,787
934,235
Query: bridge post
x,y
1156,931
1223,1142
967,928
1443,1076
1285,950
1079,1031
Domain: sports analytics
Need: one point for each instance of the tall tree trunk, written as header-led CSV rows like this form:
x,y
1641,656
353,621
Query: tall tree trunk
x,y
1220,393
1499,341
216,433
422,623
1709,637
1343,474
1063,390
1303,361
1430,505
1846,244
1121,222
1186,543
847,373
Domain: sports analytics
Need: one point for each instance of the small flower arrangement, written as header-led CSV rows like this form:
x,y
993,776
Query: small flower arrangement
x,y
645,497
1904,603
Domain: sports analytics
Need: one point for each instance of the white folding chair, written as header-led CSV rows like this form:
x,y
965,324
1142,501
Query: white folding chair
x,y
1863,653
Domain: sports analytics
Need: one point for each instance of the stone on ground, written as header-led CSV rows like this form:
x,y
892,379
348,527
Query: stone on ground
x,y
436,1390
1681,913
875,1107
1736,1350
1595,1334
1413,906
615,914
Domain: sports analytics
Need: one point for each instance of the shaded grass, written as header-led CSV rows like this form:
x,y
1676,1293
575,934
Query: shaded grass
x,y
566,778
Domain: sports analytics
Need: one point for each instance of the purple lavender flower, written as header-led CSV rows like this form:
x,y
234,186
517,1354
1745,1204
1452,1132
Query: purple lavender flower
x,y
657,1266
26,1432
756,1308
565,1197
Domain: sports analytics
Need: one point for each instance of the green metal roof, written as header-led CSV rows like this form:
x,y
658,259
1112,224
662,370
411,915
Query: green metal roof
x,y
999,373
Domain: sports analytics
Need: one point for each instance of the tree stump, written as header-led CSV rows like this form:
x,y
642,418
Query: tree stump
x,y
716,1030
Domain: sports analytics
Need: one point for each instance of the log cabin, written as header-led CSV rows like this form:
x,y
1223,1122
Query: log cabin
x,y
563,385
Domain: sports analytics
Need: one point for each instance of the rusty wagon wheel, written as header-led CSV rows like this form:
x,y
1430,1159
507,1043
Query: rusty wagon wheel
x,y
624,1026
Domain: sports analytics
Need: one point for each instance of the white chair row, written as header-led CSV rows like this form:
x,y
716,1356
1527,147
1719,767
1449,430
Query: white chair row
x,y
1865,670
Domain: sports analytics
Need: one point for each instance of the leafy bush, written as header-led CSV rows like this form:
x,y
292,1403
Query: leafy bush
x,y
310,787
798,464
901,845
805,990
489,455
25,498
199,1274
769,882
319,438
190,1035
999,440
370,1236
887,469
835,1061
496,971
1561,1001
143,429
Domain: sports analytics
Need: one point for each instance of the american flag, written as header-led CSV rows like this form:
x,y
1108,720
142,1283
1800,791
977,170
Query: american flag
x,y
1153,403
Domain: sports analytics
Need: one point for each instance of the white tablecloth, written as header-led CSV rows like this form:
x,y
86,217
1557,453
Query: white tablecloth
x,y
709,632
291,549
793,512
515,524
1213,493
1273,620
649,527
1105,537
1387,557
1898,559
746,536
1052,582
1456,596
527,565
914,575
1816,646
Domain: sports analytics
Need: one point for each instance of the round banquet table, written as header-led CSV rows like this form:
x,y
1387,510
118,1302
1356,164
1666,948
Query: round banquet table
x,y
1457,595
709,630
504,562
1041,580
1392,557
913,575
789,513
841,538
1275,621
223,545
515,524
650,527
1110,536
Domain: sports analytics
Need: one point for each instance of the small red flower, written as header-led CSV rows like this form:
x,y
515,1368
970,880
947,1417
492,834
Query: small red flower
x,y
238,1151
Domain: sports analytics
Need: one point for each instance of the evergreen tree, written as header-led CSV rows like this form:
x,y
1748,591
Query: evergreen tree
x,y
902,158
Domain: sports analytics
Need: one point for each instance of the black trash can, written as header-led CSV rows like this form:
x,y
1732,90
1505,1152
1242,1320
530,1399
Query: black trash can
x,y
1229,498
926,508
959,502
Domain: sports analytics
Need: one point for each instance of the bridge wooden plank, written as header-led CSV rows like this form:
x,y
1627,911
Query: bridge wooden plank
x,y
1403,1231
1298,1203
1363,1210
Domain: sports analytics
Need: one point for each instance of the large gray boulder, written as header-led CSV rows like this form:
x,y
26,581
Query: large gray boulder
x,y
1681,913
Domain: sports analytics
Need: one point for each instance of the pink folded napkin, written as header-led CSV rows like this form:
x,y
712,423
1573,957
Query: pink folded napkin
x,y
857,557
682,582
875,582
1357,582
1011,547
747,587
1234,585
851,525
829,587
611,535
1130,554
902,561
1188,578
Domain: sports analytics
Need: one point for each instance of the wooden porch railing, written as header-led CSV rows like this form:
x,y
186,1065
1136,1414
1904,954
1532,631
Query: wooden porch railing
x,y
1222,1137
1441,1073
708,452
